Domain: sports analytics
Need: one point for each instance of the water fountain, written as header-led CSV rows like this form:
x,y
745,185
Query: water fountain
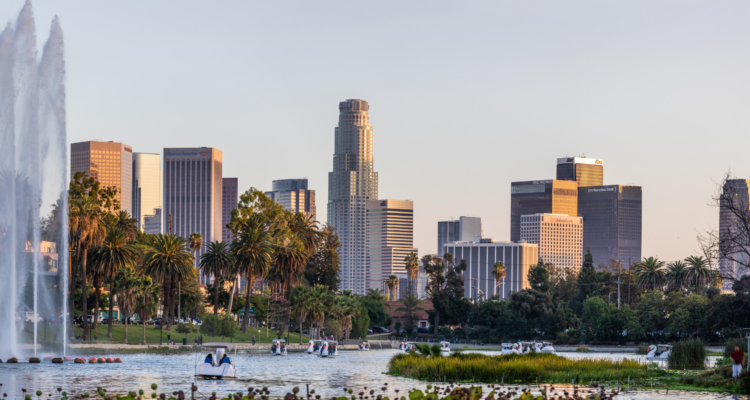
x,y
33,176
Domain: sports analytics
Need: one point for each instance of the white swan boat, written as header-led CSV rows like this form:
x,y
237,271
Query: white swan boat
x,y
445,348
310,347
328,349
659,352
363,345
544,347
278,347
509,348
214,368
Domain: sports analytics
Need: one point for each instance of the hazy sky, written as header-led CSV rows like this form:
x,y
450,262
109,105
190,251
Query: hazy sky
x,y
465,96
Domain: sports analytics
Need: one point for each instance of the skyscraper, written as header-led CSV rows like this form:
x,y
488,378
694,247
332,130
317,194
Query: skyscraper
x,y
147,192
193,193
390,238
585,171
540,197
612,222
560,240
110,163
465,229
230,197
294,195
352,182
733,206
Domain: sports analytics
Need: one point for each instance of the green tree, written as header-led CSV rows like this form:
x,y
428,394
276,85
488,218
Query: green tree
x,y
148,302
126,281
498,272
675,275
166,259
217,262
587,283
392,283
253,253
650,273
410,306
228,328
211,326
697,272
375,305
298,305
324,265
539,277
411,262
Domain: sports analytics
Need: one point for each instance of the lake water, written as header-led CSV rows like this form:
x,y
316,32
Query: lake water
x,y
172,372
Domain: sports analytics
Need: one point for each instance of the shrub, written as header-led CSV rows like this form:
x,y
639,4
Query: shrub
x,y
688,354
445,331
562,337
459,332
582,349
735,342
572,341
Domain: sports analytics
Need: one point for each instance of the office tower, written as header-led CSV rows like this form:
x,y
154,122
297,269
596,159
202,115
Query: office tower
x,y
294,195
230,198
193,193
734,206
110,163
390,239
560,240
420,289
147,192
466,229
612,222
351,184
480,259
541,197
585,171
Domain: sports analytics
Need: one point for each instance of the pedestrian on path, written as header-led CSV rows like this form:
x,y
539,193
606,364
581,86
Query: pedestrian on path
x,y
253,340
738,358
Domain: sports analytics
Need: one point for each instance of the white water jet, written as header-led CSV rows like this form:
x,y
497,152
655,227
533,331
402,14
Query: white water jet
x,y
33,171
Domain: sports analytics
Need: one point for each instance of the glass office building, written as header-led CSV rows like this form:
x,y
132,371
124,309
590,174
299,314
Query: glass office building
x,y
147,192
585,171
612,222
294,195
540,197
229,199
464,229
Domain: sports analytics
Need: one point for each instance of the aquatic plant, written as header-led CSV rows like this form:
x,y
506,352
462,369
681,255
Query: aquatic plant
x,y
642,349
582,349
688,354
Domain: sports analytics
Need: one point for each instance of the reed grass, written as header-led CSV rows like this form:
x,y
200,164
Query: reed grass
x,y
514,368
688,354
642,349
582,349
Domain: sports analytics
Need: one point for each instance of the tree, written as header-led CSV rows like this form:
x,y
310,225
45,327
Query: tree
x,y
650,273
411,263
195,243
498,272
148,302
375,305
298,305
252,251
675,275
211,326
587,284
539,277
392,283
166,259
410,305
126,281
319,302
697,272
216,261
324,265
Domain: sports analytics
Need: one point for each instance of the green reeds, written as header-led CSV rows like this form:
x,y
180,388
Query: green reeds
x,y
513,368
642,349
582,349
688,354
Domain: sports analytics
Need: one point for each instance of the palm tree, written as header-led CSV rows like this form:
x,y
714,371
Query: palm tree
x,y
115,254
410,305
412,268
86,226
298,305
498,272
148,302
343,309
675,275
252,252
128,224
168,258
650,272
697,272
392,283
195,243
126,282
319,302
217,261
233,271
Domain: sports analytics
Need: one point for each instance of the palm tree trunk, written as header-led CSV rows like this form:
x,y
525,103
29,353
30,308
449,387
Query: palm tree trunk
x,y
71,295
170,309
165,311
246,318
300,331
231,295
111,306
97,294
84,294
437,321
143,341
216,294
126,329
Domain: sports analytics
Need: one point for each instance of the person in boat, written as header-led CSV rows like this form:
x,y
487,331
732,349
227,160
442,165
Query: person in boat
x,y
273,348
225,360
209,359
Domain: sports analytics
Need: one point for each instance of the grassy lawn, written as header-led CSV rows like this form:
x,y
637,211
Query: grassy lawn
x,y
135,335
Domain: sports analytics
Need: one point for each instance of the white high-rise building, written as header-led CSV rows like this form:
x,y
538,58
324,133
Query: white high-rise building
x,y
352,182
147,192
390,239
560,240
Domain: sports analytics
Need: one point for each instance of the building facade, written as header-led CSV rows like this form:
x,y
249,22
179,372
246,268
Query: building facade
x,y
560,241
541,197
147,192
481,257
294,195
390,239
230,198
351,184
193,193
584,171
612,222
110,163
735,202
464,229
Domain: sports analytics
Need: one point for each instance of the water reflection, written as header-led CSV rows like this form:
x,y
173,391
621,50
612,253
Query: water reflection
x,y
328,377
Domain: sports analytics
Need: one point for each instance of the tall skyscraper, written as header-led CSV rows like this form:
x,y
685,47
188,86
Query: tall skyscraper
x,y
147,192
560,240
481,257
229,201
612,222
464,229
734,203
390,238
193,193
294,195
351,184
585,171
541,197
110,163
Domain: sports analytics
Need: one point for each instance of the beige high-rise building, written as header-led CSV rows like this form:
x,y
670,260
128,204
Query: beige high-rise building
x,y
111,163
351,184
560,240
147,192
390,238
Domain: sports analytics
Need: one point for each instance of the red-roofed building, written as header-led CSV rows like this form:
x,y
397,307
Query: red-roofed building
x,y
420,316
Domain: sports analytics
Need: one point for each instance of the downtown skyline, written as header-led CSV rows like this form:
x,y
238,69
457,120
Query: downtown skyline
x,y
613,95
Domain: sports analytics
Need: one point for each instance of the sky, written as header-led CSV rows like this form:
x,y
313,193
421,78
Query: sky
x,y
465,97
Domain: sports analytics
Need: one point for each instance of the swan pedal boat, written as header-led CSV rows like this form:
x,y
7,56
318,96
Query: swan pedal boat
x,y
278,347
659,352
363,345
328,349
224,371
445,348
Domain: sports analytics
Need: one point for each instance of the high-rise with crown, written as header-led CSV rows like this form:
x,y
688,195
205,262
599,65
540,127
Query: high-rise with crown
x,y
352,182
